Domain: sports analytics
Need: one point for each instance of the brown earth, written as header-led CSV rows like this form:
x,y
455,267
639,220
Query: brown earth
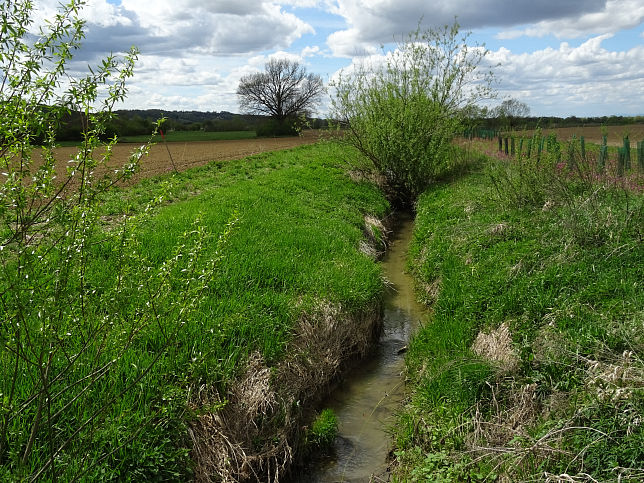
x,y
593,134
190,154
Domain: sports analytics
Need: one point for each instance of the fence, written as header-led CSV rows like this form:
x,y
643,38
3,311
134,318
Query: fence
x,y
538,144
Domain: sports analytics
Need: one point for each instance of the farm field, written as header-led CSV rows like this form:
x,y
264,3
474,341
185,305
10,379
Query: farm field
x,y
190,136
593,134
190,154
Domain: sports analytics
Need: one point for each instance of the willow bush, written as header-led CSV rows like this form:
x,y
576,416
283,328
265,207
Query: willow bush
x,y
403,112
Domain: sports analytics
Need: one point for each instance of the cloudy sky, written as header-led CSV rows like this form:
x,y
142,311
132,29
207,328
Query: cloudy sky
x,y
561,57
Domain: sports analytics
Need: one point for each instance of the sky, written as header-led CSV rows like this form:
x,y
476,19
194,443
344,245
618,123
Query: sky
x,y
560,57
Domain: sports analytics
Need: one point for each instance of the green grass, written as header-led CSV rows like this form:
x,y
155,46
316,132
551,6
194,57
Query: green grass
x,y
180,137
191,136
564,274
298,220
323,430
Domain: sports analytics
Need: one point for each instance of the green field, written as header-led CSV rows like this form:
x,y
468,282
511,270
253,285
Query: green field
x,y
226,260
180,137
532,363
191,136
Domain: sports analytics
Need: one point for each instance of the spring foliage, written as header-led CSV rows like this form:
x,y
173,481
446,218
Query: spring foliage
x,y
403,113
70,384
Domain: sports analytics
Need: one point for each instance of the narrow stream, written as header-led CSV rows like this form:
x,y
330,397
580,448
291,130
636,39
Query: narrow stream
x,y
367,399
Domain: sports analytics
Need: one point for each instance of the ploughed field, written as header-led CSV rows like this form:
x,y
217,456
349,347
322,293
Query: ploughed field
x,y
187,155
593,134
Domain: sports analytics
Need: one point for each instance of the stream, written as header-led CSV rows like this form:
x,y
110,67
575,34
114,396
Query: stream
x,y
367,399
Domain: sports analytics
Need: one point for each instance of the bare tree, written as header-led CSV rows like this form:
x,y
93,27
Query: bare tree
x,y
511,110
282,91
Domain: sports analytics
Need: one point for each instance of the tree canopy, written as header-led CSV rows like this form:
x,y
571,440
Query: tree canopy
x,y
283,90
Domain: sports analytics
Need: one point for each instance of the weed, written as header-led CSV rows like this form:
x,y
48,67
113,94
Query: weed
x,y
323,430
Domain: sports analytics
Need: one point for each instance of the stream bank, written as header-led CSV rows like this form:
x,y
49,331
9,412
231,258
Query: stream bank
x,y
370,394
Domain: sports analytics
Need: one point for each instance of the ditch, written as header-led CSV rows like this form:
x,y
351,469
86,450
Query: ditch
x,y
367,399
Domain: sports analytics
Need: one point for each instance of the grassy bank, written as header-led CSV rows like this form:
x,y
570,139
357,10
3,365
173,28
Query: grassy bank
x,y
532,366
214,270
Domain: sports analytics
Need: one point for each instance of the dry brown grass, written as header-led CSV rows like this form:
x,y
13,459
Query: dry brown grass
x,y
375,232
496,347
255,432
502,429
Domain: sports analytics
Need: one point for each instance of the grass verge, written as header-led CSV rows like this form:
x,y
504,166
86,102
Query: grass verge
x,y
259,291
532,366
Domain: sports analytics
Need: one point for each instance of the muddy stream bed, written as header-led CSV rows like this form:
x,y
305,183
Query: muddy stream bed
x,y
367,399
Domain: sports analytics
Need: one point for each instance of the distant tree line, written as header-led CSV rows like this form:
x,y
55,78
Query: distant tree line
x,y
551,122
513,115
141,122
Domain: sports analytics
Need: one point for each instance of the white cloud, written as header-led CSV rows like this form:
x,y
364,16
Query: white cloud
x,y
309,51
372,22
615,16
176,27
224,27
195,51
579,79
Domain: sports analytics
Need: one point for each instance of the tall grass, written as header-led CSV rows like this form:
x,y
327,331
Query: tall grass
x,y
225,258
532,364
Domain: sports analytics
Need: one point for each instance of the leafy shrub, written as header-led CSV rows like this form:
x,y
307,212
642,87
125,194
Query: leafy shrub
x,y
403,114
74,398
273,127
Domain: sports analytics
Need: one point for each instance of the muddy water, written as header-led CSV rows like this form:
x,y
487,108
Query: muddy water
x,y
366,401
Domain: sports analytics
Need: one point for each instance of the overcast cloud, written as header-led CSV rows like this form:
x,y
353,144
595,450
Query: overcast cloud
x,y
572,57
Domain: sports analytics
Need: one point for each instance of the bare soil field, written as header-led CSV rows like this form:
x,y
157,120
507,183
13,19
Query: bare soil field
x,y
593,134
191,154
